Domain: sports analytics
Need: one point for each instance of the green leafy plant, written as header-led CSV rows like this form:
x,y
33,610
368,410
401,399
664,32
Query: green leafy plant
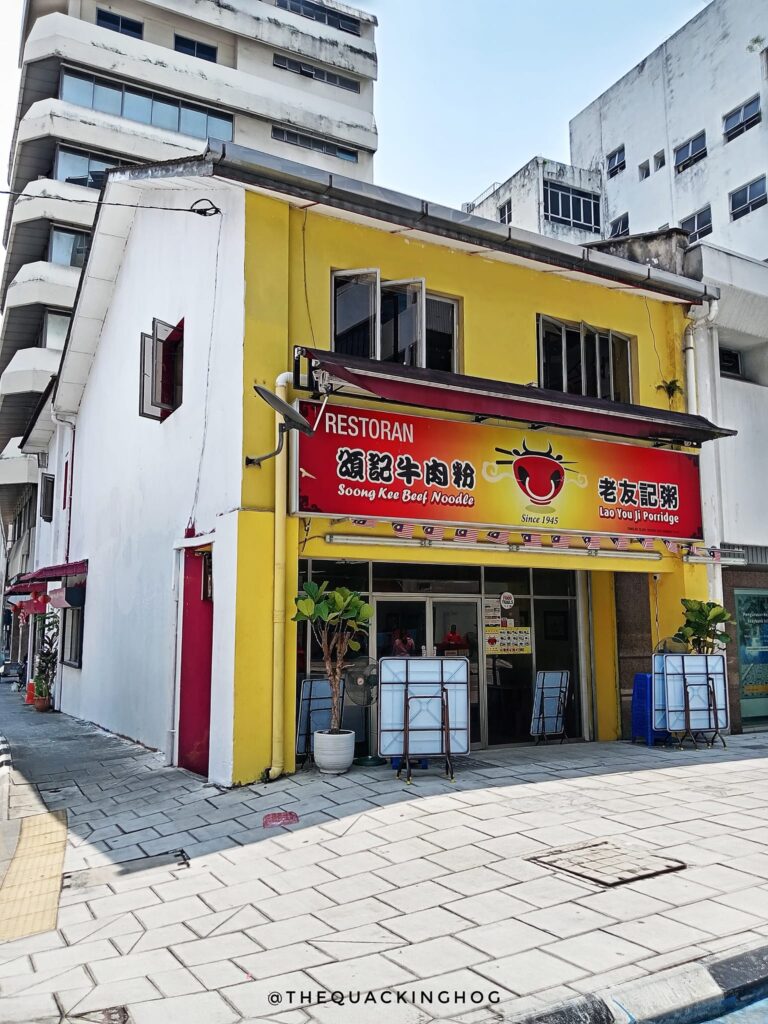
x,y
702,629
47,654
337,618
671,389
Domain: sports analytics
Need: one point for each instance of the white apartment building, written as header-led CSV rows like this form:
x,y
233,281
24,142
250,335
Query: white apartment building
x,y
113,82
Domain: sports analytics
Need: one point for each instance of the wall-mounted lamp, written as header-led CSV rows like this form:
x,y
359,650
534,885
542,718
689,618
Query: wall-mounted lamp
x,y
292,420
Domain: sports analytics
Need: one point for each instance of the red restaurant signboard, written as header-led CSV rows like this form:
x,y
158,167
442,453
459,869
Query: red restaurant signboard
x,y
395,466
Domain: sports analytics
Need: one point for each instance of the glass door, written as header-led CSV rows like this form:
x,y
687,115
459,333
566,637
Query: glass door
x,y
401,628
455,633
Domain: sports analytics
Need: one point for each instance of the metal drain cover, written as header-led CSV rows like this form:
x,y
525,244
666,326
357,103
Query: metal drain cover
x,y
607,863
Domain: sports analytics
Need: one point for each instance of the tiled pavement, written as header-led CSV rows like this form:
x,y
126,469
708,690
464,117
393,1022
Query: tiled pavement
x,y
421,889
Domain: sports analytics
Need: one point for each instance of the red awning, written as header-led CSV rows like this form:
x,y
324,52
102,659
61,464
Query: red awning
x,y
56,572
493,399
24,588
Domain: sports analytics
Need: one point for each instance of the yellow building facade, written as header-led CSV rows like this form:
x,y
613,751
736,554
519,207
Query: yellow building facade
x,y
493,314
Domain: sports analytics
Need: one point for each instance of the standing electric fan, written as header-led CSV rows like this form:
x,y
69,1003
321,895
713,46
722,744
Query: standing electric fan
x,y
361,687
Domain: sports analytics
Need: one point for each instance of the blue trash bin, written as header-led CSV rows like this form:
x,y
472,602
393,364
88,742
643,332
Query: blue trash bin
x,y
642,711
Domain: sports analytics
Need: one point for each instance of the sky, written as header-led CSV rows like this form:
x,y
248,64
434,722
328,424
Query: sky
x,y
469,90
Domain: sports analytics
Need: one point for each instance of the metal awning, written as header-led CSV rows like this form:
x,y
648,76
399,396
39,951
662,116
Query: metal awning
x,y
22,588
56,572
492,399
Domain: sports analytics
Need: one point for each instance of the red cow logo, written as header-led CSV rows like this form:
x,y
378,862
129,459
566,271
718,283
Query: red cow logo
x,y
539,475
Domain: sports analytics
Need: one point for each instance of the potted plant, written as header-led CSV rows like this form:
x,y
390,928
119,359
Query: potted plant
x,y
702,630
47,659
336,617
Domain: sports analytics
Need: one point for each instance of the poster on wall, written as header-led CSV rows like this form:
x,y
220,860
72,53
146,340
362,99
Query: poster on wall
x,y
396,466
752,624
502,635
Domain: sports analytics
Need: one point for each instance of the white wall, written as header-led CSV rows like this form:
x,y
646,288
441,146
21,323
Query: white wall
x,y
742,463
135,478
688,84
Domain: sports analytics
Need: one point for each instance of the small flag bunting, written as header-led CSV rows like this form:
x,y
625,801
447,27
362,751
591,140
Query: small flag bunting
x,y
532,540
403,529
591,543
714,554
464,534
672,546
434,532
647,543
364,523
561,540
620,543
498,536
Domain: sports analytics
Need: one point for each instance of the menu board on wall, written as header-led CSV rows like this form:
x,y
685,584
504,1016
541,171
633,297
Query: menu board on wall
x,y
502,635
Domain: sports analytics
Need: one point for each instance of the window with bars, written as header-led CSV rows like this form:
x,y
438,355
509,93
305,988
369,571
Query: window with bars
x,y
300,67
620,227
314,143
119,23
698,224
747,198
194,48
566,205
157,109
324,15
615,162
161,374
505,212
395,321
742,119
579,359
690,152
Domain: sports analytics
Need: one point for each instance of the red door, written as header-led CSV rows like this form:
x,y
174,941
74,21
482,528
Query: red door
x,y
196,656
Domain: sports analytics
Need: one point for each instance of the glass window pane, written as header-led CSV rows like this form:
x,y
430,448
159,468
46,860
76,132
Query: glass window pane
x,y
738,198
400,324
353,575
76,89
194,121
55,330
573,360
621,370
604,366
354,315
552,346
71,166
556,632
441,334
418,578
165,114
757,188
499,580
184,45
553,582
137,106
62,244
590,364
220,127
510,686
108,98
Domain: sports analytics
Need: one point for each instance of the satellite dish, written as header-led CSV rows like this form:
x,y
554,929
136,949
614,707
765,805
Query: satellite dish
x,y
292,417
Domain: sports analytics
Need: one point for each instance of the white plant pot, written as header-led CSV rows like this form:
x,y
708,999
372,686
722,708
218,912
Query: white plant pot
x,y
334,752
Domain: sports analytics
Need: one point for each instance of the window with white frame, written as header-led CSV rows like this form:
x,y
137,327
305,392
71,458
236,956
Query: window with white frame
x,y
620,227
691,152
119,23
395,321
747,198
742,119
194,48
698,224
301,67
580,359
566,205
320,13
161,375
315,143
615,162
505,212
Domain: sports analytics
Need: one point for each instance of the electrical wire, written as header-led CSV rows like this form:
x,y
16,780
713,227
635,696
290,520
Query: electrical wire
x,y
208,211
304,261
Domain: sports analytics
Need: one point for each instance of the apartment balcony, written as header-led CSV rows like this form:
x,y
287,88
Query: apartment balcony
x,y
258,92
43,203
44,284
29,372
17,471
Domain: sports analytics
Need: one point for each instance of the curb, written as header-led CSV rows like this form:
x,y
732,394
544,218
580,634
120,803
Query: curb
x,y
690,994
5,773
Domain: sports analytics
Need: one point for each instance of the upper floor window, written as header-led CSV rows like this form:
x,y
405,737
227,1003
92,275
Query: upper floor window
x,y
161,377
194,48
691,152
119,23
395,321
730,363
312,142
659,160
505,212
54,329
566,205
748,198
742,119
72,637
300,67
644,170
111,97
324,15
698,224
615,162
80,168
47,482
69,248
620,227
583,360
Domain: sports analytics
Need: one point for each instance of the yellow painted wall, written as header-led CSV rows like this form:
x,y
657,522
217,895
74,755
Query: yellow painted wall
x,y
498,306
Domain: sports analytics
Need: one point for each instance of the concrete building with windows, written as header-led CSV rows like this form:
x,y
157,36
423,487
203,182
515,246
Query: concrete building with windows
x,y
117,82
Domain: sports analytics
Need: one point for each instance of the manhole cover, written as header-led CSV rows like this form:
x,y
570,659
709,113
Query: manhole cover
x,y
607,863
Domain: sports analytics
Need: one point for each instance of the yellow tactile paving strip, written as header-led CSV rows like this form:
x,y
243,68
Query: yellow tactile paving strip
x,y
29,895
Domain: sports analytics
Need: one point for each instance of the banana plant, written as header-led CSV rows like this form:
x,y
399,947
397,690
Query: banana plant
x,y
337,618
702,629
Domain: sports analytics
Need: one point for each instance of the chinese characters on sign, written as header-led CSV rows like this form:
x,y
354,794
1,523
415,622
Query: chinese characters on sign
x,y
396,466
